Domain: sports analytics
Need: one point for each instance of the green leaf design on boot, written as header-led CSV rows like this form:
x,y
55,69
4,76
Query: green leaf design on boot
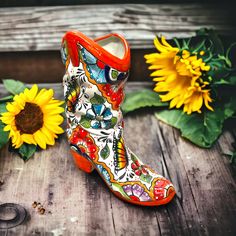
x,y
85,122
146,178
119,189
113,121
96,99
105,152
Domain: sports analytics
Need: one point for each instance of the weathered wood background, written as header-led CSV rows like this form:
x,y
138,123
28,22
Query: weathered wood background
x,y
80,204
41,28
30,36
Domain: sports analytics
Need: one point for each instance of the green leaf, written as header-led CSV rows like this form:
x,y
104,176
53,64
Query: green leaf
x,y
227,81
142,98
210,34
85,122
26,151
118,188
177,42
200,46
6,99
229,50
4,136
186,43
105,152
14,86
2,108
201,129
96,99
230,107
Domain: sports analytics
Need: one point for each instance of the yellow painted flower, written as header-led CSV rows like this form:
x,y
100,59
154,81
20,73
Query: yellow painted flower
x,y
179,77
33,117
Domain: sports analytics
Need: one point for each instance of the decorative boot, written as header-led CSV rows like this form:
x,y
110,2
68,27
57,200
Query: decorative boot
x,y
96,71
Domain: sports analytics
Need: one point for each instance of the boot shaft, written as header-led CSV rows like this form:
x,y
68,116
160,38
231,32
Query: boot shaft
x,y
96,72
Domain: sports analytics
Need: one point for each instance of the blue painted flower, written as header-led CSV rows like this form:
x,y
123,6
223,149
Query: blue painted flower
x,y
100,116
94,66
104,173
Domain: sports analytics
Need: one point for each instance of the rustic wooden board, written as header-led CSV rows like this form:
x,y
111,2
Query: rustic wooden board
x,y
41,28
46,66
80,204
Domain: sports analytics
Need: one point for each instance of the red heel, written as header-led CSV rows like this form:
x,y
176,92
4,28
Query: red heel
x,y
82,163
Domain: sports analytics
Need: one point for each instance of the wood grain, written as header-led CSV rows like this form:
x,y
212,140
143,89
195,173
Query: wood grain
x,y
80,204
47,67
41,28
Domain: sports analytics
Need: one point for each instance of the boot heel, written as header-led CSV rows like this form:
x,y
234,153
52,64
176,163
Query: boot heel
x,y
82,163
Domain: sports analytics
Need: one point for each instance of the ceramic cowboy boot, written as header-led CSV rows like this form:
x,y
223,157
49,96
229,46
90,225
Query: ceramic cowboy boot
x,y
96,71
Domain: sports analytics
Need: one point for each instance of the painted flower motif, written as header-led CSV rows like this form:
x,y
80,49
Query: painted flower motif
x,y
104,173
84,142
94,66
100,116
138,168
162,188
106,78
136,193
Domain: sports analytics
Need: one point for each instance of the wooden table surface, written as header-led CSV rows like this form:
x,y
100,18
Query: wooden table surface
x,y
77,203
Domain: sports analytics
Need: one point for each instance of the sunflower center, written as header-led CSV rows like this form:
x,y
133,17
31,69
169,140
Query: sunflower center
x,y
30,119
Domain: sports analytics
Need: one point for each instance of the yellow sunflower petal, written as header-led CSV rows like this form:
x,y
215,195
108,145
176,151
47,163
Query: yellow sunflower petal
x,y
44,98
28,138
159,46
7,128
56,102
52,109
165,43
54,128
7,120
49,136
13,108
31,94
40,139
16,139
206,99
161,72
196,101
55,119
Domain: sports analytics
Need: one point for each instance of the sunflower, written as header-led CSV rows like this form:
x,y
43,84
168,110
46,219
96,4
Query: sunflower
x,y
33,117
179,75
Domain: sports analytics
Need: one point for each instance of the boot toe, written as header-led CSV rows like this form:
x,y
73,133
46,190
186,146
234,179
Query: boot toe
x,y
163,191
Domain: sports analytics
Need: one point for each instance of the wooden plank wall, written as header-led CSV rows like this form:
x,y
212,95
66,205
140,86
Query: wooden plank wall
x,y
30,36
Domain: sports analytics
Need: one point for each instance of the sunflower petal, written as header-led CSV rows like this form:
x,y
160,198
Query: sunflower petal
x,y
31,94
44,98
40,139
28,138
49,136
